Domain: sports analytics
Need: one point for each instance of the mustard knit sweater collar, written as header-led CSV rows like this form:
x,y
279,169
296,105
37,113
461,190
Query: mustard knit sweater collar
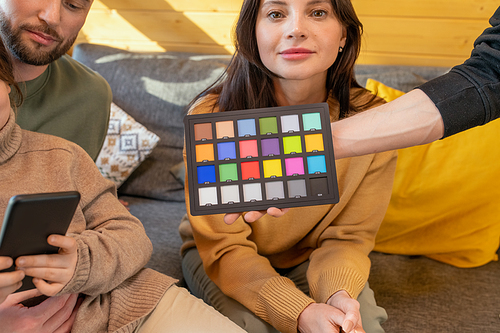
x,y
10,138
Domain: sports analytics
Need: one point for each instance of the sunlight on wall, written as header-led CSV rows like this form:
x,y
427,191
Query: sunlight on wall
x,y
106,26
124,32
221,32
219,5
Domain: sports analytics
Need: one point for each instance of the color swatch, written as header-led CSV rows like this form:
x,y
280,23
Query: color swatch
x,y
255,159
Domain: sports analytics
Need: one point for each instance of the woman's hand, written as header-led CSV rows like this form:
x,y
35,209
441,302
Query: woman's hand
x,y
350,307
318,317
54,315
253,216
51,272
9,281
340,311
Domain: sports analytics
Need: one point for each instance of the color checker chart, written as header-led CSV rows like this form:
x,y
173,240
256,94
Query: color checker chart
x,y
255,159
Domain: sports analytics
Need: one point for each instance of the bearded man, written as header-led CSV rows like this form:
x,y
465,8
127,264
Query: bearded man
x,y
61,96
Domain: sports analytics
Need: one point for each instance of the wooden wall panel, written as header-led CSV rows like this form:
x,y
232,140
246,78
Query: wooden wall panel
x,y
411,32
161,30
406,40
469,9
177,5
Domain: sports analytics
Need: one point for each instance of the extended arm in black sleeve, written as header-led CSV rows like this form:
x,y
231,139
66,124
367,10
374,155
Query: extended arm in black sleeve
x,y
469,95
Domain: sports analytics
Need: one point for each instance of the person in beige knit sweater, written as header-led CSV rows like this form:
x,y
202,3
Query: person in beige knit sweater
x,y
96,283
304,268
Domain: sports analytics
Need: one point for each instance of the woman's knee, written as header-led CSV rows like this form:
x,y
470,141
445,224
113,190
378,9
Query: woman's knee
x,y
251,323
201,286
372,315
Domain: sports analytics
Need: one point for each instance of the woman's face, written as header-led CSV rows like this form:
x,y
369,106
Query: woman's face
x,y
4,103
298,39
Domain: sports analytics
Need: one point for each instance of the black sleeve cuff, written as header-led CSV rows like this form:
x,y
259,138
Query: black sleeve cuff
x,y
458,101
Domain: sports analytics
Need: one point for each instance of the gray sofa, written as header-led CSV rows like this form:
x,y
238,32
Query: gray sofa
x,y
419,294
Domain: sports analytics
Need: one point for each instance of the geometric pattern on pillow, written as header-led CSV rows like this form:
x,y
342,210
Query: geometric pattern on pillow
x,y
127,144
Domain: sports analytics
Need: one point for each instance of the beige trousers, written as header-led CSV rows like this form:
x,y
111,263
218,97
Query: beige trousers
x,y
179,311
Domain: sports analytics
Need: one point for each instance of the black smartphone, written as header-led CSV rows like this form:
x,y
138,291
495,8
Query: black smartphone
x,y
28,222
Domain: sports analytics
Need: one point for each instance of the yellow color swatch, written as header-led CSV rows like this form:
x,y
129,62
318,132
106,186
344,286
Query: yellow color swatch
x,y
272,168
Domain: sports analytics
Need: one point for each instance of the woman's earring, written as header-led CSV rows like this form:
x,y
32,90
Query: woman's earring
x,y
341,49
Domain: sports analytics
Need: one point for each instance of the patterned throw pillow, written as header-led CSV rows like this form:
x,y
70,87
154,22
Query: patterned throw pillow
x,y
127,144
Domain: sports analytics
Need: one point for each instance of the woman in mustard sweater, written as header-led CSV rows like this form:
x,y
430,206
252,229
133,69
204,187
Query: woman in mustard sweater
x,y
304,268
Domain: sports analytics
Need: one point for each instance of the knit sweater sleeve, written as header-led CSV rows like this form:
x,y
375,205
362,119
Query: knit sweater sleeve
x,y
468,96
340,262
112,244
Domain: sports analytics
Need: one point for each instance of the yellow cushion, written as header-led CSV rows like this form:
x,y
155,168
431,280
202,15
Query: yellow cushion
x,y
445,201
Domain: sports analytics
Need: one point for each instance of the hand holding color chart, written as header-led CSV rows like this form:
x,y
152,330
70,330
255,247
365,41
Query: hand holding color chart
x,y
255,159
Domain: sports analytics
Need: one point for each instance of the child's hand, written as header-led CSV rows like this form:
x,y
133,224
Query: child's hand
x,y
9,281
51,272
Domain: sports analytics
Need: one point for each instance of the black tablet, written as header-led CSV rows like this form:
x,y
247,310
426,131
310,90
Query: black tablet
x,y
28,222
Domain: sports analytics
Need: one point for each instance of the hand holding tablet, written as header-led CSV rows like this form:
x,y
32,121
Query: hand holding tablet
x,y
28,223
253,216
11,281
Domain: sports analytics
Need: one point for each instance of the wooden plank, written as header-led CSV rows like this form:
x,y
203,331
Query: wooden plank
x,y
430,37
171,27
175,5
407,59
469,9
149,46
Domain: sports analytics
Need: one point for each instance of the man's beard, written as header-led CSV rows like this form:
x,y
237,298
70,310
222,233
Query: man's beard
x,y
32,55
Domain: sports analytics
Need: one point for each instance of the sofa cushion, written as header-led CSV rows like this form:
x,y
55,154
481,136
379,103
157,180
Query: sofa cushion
x,y
154,88
404,78
126,145
443,203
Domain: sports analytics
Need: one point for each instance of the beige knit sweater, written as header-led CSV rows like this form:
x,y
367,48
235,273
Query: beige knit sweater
x,y
112,244
240,258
